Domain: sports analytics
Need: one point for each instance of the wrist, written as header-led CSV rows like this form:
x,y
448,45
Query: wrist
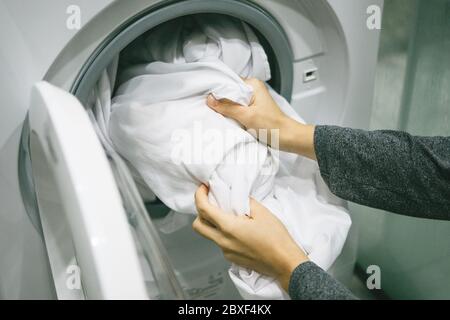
x,y
298,138
288,265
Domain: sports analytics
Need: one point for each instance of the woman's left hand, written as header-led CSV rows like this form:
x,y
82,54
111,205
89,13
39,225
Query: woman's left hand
x,y
259,242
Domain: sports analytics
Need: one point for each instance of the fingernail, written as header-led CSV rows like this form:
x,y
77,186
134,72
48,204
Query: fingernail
x,y
211,101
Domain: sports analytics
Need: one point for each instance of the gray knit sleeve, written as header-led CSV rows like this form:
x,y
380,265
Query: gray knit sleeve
x,y
387,170
309,282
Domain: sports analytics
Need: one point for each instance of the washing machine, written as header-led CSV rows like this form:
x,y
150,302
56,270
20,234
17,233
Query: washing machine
x,y
73,223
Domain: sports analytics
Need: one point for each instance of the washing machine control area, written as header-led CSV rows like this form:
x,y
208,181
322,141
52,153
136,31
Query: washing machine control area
x,y
95,233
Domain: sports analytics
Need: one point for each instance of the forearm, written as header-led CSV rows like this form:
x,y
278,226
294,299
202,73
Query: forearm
x,y
309,282
388,170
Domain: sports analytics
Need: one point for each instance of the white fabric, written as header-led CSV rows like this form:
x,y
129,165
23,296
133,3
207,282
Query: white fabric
x,y
159,122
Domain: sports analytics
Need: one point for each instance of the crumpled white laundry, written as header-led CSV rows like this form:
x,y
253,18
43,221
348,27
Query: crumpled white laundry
x,y
159,122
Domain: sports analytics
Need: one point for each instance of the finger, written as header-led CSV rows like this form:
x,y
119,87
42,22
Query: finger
x,y
207,211
259,90
257,209
225,107
248,82
206,230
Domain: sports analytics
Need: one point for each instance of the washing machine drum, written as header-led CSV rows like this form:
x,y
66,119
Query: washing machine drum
x,y
83,202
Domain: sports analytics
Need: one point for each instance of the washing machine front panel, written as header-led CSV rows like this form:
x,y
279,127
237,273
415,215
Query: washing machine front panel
x,y
36,32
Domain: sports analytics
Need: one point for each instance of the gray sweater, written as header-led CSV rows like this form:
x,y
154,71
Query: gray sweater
x,y
388,170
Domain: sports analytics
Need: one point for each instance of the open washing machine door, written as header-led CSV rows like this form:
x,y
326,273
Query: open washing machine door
x,y
91,242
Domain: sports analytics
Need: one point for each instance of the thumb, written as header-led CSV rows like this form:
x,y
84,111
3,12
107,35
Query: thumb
x,y
225,107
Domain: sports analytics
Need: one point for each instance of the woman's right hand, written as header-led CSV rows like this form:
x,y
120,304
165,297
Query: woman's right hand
x,y
264,118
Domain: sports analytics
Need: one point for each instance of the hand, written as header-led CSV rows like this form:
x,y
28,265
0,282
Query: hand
x,y
264,114
260,242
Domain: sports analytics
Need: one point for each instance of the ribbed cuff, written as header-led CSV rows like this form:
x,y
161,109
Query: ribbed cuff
x,y
322,145
296,278
310,282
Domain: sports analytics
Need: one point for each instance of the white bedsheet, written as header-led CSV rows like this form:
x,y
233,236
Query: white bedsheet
x,y
159,122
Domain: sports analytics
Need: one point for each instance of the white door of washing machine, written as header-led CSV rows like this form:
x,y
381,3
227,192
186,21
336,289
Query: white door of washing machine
x,y
90,241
